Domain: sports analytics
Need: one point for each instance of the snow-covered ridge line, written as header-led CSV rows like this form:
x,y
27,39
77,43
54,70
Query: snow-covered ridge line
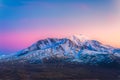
x,y
76,48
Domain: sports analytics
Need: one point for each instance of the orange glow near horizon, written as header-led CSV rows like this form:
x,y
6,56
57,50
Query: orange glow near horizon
x,y
22,40
25,23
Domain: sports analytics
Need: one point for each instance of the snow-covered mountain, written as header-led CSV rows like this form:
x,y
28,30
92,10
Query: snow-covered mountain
x,y
77,48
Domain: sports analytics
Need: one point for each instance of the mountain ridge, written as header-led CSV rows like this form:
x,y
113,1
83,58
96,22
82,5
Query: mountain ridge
x,y
72,49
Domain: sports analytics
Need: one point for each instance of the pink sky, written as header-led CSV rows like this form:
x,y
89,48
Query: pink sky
x,y
23,25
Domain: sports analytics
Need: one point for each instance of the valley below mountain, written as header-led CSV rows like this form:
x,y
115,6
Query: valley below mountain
x,y
59,71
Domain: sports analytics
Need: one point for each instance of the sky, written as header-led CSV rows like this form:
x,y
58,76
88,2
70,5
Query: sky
x,y
23,22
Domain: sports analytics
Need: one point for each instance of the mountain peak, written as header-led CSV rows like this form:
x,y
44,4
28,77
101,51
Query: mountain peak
x,y
81,37
78,38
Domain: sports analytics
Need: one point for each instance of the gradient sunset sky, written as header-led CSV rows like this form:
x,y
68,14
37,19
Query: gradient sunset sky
x,y
23,22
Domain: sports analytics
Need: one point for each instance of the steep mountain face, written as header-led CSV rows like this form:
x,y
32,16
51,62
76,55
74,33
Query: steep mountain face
x,y
75,48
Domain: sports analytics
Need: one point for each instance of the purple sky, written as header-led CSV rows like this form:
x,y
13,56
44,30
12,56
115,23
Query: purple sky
x,y
23,22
